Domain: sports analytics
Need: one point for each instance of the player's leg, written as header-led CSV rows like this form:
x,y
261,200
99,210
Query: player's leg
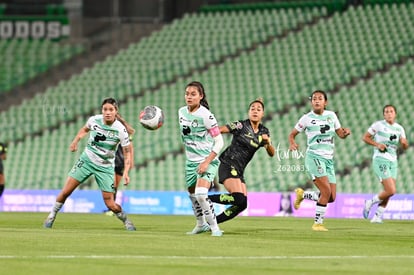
x,y
386,171
236,198
324,187
201,194
67,190
317,168
191,181
383,197
118,179
105,178
108,198
314,195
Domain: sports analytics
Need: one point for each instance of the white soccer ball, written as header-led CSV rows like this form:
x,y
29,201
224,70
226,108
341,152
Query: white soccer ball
x,y
152,117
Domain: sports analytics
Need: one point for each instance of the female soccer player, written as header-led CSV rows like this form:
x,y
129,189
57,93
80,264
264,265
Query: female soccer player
x,y
320,126
119,158
248,136
202,141
106,133
385,135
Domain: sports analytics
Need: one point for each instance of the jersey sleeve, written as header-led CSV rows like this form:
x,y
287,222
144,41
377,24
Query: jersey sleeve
x,y
337,124
124,137
301,124
234,126
90,122
373,129
211,124
402,132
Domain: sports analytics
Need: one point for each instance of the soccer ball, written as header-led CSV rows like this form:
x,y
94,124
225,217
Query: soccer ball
x,y
152,117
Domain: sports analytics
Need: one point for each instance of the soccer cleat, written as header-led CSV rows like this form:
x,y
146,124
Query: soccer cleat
x,y
376,219
199,229
367,208
109,213
299,197
129,226
48,223
319,227
217,233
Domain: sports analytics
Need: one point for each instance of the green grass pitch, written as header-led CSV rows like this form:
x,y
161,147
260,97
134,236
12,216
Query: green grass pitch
x,y
98,244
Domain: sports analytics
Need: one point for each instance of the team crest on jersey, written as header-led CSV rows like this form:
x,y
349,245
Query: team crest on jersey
x,y
194,123
236,125
329,120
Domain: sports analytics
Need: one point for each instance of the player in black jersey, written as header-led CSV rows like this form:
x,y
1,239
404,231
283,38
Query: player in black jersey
x,y
248,136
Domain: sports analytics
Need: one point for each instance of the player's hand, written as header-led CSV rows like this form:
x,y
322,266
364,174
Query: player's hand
x,y
73,147
202,168
293,146
346,132
266,139
382,147
126,179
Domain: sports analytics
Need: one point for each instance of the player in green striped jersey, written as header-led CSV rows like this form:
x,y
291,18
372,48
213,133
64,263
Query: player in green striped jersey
x,y
385,135
202,141
106,133
320,126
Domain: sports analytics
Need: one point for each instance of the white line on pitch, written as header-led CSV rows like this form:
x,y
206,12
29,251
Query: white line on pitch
x,y
202,257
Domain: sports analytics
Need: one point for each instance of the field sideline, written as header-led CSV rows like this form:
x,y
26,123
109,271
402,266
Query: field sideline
x,y
98,244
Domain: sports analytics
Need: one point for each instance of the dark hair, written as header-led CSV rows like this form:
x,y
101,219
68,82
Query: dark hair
x,y
325,96
200,89
389,105
258,100
110,100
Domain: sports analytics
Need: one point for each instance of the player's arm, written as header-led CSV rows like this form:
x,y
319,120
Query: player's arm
x,y
293,146
404,143
268,145
343,132
131,152
218,145
82,133
127,163
368,139
224,129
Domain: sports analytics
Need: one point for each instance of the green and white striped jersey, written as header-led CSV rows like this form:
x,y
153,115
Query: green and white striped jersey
x,y
390,135
104,139
320,131
195,131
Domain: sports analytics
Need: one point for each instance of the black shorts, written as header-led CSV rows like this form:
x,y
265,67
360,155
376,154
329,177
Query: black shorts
x,y
119,170
227,171
119,162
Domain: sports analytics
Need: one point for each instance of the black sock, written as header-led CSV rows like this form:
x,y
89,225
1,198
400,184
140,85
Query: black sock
x,y
238,205
222,198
